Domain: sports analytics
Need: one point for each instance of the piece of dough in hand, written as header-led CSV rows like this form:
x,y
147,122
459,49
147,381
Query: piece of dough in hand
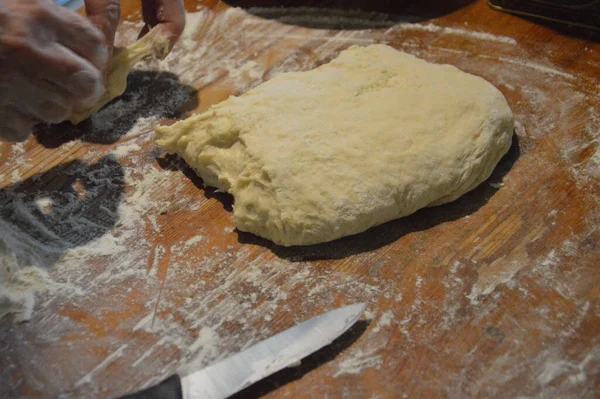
x,y
121,64
370,137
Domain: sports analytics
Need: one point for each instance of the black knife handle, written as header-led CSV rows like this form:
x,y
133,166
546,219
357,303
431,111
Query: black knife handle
x,y
168,389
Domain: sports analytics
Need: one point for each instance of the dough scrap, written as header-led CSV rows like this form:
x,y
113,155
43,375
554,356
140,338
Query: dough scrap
x,y
372,136
120,65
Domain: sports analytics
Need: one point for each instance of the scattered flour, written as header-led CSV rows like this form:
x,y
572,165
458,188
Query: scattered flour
x,y
356,362
43,204
576,372
217,299
385,320
192,242
18,149
20,285
15,177
594,162
474,35
126,149
532,65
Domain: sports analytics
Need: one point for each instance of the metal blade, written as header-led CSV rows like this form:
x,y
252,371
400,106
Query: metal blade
x,y
239,371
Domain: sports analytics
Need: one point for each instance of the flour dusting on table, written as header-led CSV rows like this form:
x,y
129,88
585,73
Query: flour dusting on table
x,y
101,263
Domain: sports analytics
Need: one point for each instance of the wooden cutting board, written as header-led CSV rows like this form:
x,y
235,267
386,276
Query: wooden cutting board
x,y
494,295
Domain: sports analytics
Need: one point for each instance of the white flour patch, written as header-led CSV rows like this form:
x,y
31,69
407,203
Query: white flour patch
x,y
594,162
192,242
18,149
555,367
15,176
159,253
44,204
207,337
470,34
193,23
18,287
385,320
532,65
356,362
126,149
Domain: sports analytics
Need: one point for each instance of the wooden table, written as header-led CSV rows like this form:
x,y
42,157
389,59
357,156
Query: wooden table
x,y
494,295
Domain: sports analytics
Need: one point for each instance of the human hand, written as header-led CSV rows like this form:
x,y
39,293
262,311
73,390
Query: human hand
x,y
168,15
51,63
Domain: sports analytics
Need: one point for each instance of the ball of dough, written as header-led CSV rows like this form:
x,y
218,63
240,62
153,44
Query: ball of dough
x,y
372,136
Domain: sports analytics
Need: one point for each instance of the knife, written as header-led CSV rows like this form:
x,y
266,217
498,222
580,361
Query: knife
x,y
231,375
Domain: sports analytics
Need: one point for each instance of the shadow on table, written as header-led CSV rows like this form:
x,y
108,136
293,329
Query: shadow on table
x,y
376,237
581,14
573,31
148,93
348,14
68,206
174,163
309,364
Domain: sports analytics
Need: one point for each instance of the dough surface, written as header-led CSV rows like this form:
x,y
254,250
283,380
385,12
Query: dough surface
x,y
120,66
370,137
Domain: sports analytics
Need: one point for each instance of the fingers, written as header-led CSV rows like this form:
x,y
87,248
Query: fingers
x,y
169,15
51,61
149,12
15,126
105,14
45,42
40,100
61,66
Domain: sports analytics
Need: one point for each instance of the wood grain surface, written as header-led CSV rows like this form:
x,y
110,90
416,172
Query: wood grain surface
x,y
494,295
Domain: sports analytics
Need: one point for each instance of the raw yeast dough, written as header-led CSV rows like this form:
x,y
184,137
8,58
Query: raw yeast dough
x,y
120,65
372,136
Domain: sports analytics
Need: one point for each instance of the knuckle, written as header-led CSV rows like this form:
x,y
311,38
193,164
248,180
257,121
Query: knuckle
x,y
88,84
90,34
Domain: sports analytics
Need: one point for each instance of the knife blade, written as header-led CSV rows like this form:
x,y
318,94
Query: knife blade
x,y
223,379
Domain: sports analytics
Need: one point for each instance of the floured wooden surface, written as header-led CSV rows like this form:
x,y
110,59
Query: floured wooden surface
x,y
493,295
